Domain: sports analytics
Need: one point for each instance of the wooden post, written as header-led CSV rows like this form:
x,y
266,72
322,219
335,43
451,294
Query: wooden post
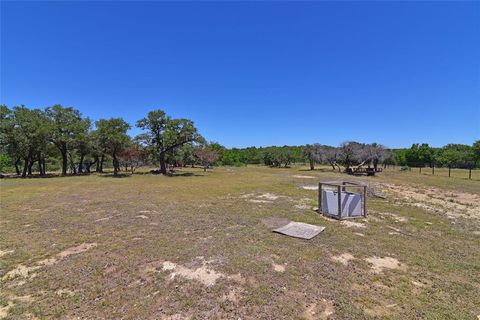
x,y
320,197
449,171
433,169
470,172
365,201
339,202
343,188
420,170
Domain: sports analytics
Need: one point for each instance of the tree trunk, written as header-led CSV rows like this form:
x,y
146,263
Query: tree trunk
x,y
470,172
163,166
64,161
90,164
97,166
205,169
433,169
333,165
30,165
17,169
40,168
44,164
116,166
25,168
312,165
80,163
420,169
375,165
73,168
100,167
449,171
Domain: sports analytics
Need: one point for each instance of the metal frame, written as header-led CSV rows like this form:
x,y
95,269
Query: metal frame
x,y
341,186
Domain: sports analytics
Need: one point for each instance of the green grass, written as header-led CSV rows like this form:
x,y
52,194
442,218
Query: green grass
x,y
204,214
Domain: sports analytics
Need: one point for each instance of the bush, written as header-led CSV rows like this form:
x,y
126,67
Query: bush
x,y
5,163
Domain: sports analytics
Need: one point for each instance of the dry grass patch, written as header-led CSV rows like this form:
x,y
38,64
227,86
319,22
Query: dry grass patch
x,y
150,268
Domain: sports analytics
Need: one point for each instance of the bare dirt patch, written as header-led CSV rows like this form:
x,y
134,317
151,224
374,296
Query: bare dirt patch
x,y
452,203
269,196
4,310
147,211
302,206
344,258
23,271
278,267
76,250
353,224
266,197
379,264
65,293
11,303
203,274
310,187
394,216
104,219
381,310
259,201
299,176
4,252
319,311
23,299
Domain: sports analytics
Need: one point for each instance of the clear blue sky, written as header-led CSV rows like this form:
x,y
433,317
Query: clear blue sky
x,y
255,73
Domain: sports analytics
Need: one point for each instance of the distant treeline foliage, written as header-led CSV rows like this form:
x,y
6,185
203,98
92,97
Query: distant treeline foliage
x,y
60,138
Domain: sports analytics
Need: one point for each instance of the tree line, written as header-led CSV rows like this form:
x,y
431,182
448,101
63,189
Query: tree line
x,y
353,154
60,137
31,138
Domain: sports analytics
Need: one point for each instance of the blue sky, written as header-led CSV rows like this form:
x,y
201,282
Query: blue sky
x,y
255,73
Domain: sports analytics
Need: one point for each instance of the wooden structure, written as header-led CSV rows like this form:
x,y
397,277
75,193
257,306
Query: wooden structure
x,y
361,170
340,187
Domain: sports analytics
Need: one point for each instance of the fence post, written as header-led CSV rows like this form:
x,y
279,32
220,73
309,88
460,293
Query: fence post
x,y
339,203
320,197
365,201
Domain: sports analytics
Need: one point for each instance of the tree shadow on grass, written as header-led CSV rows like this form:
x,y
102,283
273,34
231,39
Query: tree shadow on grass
x,y
319,170
120,175
185,174
45,176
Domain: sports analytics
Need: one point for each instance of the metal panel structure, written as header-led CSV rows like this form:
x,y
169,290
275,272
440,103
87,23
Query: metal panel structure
x,y
300,230
340,203
351,203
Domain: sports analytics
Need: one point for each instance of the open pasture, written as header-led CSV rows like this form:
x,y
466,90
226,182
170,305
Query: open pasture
x,y
199,245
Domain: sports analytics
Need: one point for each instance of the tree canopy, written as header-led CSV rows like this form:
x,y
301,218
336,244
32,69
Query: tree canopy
x,y
164,134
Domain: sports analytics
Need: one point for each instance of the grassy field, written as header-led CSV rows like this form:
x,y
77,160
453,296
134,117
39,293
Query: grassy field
x,y
199,246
